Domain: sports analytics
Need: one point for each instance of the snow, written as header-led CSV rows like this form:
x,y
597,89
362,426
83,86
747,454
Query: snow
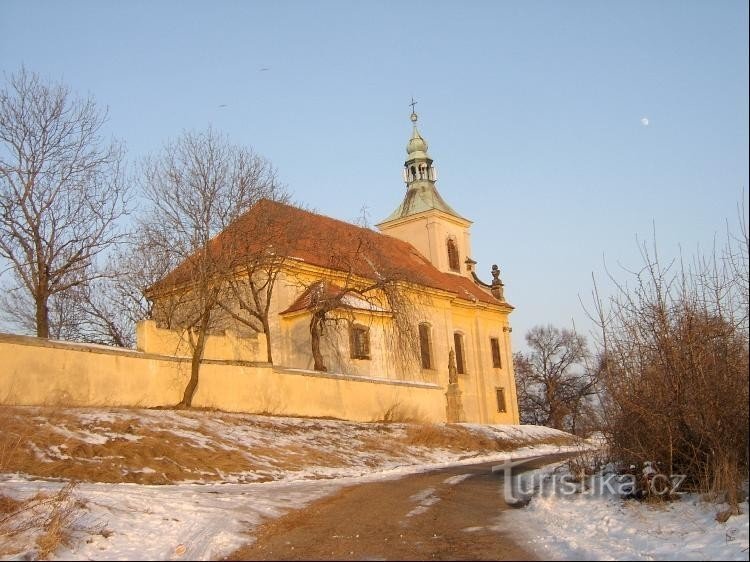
x,y
185,521
594,526
200,520
453,480
191,521
97,346
425,499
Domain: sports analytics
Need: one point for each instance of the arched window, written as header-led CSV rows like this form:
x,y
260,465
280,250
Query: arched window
x,y
359,342
453,255
458,343
424,345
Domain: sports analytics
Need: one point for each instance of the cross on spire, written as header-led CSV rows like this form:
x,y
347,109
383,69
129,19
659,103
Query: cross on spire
x,y
413,112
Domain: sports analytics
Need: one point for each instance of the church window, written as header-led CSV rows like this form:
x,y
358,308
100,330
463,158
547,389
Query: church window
x,y
500,394
424,346
359,342
496,360
453,255
458,342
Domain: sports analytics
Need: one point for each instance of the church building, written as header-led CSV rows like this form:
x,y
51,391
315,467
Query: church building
x,y
403,305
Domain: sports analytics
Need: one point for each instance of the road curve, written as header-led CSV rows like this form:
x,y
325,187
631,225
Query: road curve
x,y
445,514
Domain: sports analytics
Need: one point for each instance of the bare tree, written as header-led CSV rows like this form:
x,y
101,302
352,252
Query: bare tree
x,y
344,290
552,379
260,244
196,187
61,192
111,305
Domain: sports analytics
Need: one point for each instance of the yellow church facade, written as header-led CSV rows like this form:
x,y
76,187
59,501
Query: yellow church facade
x,y
459,335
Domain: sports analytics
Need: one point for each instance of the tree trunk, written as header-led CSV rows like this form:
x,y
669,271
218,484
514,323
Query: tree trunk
x,y
267,331
42,316
316,324
195,364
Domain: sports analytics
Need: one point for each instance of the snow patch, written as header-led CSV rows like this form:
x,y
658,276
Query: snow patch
x,y
453,480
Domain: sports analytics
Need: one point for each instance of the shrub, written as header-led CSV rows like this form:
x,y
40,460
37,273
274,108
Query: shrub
x,y
674,368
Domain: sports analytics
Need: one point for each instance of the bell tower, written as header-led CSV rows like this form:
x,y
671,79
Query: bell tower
x,y
424,219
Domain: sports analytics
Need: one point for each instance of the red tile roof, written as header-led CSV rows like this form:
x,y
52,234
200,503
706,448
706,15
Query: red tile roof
x,y
325,242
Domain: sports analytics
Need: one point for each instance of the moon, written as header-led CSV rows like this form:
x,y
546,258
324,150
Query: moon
x,y
644,121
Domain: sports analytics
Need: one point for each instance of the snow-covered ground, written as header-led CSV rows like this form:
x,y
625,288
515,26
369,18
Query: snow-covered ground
x,y
594,526
276,465
197,521
281,464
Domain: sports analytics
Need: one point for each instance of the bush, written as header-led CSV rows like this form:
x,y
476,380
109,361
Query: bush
x,y
674,369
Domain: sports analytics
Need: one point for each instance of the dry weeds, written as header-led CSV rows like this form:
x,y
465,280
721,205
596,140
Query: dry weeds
x,y
148,447
45,520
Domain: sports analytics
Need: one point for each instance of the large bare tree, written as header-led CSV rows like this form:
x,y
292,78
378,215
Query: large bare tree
x,y
61,192
196,187
552,379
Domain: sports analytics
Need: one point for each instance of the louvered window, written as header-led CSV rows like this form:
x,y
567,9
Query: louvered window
x,y
453,255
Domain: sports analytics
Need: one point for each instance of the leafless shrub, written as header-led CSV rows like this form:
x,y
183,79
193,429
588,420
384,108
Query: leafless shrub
x,y
585,463
674,366
45,519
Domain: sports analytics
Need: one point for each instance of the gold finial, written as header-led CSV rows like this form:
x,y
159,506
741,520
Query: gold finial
x,y
413,113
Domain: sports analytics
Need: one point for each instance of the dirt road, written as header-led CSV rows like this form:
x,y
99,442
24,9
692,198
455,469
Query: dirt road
x,y
441,515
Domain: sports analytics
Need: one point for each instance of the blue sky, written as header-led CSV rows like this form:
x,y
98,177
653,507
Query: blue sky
x,y
533,112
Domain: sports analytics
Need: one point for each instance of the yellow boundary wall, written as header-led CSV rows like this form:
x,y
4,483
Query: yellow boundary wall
x,y
35,371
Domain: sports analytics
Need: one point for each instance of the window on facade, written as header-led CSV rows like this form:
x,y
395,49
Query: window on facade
x,y
500,393
495,345
359,342
453,255
424,346
458,342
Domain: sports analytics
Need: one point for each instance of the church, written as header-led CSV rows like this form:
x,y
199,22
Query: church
x,y
401,306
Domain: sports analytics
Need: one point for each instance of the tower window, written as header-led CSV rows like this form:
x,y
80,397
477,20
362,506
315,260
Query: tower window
x,y
458,342
359,342
500,394
424,346
453,255
495,345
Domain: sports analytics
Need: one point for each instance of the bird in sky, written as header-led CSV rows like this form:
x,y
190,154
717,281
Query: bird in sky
x,y
264,69
223,105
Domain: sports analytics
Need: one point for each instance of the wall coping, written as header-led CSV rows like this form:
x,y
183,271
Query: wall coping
x,y
121,351
355,378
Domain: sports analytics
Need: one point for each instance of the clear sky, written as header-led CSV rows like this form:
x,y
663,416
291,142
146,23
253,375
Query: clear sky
x,y
564,130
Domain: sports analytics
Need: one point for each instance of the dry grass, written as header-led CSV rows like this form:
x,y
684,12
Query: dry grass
x,y
458,438
168,457
150,447
398,413
8,505
45,520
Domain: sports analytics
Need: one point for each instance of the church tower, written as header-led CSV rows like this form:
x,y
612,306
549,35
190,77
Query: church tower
x,y
424,219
